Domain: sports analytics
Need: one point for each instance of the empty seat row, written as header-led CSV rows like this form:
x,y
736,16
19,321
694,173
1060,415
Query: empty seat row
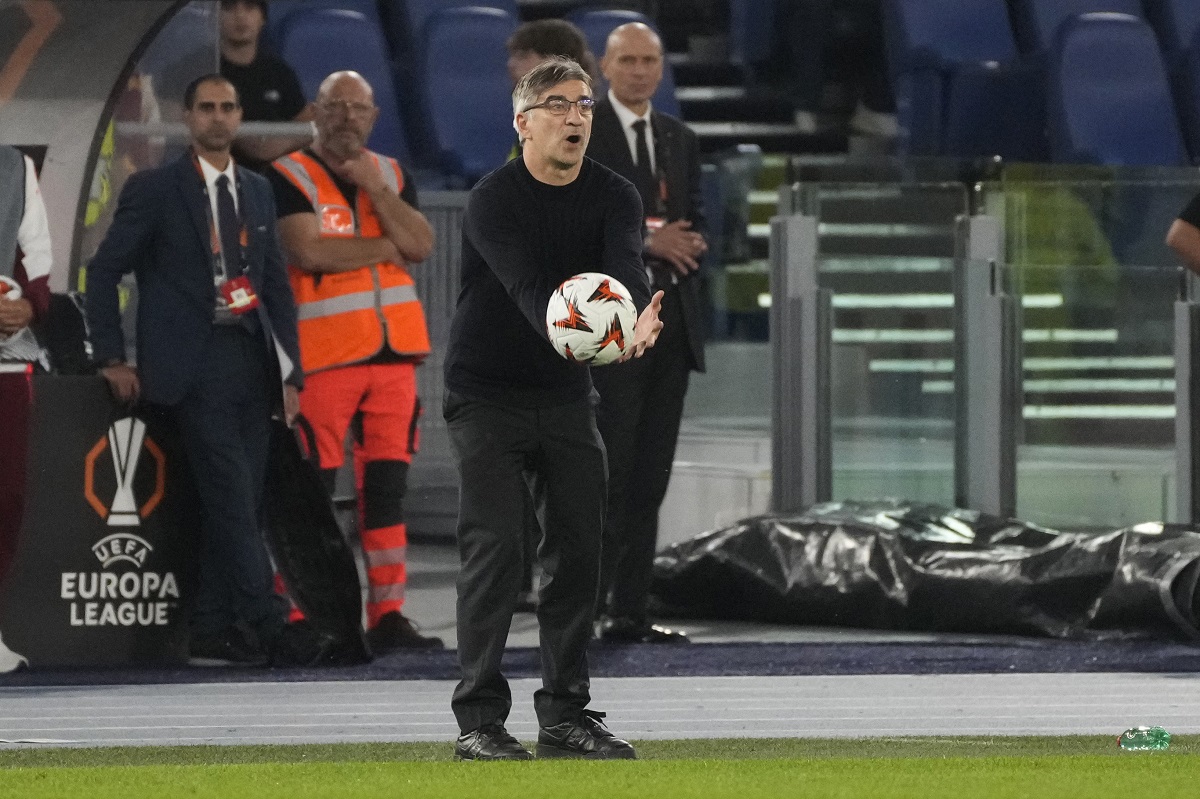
x,y
1067,80
437,67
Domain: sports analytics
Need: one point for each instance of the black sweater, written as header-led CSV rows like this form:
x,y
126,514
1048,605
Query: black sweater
x,y
521,239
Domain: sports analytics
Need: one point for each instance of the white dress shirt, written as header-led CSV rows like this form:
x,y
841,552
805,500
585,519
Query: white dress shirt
x,y
627,119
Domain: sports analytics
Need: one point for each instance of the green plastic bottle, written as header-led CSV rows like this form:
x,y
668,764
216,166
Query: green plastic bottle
x,y
1145,739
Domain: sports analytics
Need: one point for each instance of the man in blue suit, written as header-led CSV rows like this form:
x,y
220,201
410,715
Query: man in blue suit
x,y
214,309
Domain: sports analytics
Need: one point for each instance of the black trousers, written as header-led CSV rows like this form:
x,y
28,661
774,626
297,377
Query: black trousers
x,y
641,405
560,451
225,425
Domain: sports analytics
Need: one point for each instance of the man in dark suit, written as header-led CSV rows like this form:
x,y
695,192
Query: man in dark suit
x,y
216,326
641,401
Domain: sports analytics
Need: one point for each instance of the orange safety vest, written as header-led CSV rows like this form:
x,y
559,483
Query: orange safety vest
x,y
348,317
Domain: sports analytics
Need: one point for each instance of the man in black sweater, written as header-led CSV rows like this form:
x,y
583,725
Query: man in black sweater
x,y
518,412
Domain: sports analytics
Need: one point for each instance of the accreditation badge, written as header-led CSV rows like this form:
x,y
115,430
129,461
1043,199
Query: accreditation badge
x,y
239,295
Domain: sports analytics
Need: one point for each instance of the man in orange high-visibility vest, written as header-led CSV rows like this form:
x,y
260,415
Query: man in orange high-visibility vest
x,y
349,224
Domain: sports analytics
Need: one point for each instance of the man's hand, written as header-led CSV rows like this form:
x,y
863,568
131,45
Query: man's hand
x,y
678,245
124,382
291,404
646,329
361,171
14,315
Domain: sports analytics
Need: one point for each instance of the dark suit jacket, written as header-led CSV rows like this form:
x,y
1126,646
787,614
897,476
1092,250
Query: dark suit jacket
x,y
160,232
677,157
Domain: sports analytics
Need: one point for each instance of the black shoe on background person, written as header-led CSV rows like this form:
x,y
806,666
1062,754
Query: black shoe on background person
x,y
586,738
229,647
630,630
490,742
395,631
298,644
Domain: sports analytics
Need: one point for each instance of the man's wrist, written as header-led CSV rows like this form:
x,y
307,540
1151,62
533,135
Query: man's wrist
x,y
108,363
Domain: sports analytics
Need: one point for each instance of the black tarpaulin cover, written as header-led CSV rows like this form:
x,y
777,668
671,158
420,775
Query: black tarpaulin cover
x,y
894,565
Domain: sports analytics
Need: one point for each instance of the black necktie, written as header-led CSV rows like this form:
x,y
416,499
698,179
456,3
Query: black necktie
x,y
647,186
229,227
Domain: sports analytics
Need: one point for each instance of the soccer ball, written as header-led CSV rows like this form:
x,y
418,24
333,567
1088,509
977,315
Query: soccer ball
x,y
590,319
9,290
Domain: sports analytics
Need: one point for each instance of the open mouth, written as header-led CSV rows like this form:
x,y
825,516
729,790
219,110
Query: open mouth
x,y
575,138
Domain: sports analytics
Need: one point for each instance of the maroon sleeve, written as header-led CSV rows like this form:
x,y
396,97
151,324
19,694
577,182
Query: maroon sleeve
x,y
36,291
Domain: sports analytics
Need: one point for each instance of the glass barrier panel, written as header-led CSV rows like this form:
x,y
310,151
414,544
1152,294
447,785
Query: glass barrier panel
x,y
886,252
1096,444
1087,222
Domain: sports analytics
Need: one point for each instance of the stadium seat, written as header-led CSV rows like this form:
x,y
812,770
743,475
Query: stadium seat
x,y
279,10
751,25
1038,21
1109,98
1187,93
1177,23
405,20
317,41
961,88
467,89
597,25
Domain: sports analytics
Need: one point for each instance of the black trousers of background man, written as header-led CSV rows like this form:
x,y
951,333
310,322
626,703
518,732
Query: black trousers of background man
x,y
224,423
496,446
641,405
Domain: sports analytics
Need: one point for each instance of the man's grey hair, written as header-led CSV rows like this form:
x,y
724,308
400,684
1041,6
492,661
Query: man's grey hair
x,y
551,72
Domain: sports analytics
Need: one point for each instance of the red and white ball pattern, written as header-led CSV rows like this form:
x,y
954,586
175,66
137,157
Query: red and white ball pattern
x,y
590,319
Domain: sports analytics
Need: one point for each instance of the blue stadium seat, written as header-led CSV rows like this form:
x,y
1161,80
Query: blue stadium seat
x,y
961,88
467,90
597,25
318,41
1109,98
405,20
1038,21
1187,93
1177,23
751,26
279,10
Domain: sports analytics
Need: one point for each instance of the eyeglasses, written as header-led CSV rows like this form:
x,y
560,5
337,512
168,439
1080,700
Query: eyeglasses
x,y
559,106
347,107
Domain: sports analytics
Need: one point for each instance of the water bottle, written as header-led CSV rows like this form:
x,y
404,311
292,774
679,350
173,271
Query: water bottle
x,y
1145,739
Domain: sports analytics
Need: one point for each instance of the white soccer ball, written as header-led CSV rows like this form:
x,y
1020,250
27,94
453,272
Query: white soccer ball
x,y
590,319
9,290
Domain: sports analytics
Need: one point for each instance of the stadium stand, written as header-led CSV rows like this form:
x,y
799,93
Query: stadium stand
x,y
467,89
955,71
1177,23
597,25
1110,100
280,10
1038,21
317,41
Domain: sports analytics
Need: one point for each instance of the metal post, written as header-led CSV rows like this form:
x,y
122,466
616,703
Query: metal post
x,y
1187,400
987,372
800,350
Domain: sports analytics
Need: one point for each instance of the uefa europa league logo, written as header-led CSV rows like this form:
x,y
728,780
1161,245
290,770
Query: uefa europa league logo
x,y
125,443
126,440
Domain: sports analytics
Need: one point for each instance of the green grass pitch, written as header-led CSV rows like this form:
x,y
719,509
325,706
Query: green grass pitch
x,y
959,767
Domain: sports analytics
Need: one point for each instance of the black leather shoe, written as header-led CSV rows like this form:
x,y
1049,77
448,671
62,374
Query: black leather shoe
x,y
395,631
628,630
490,742
587,738
298,644
230,647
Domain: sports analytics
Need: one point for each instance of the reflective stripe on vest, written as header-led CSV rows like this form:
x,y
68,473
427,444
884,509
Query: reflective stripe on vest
x,y
349,317
361,301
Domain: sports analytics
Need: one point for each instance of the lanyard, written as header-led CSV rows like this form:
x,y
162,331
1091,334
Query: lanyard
x,y
220,271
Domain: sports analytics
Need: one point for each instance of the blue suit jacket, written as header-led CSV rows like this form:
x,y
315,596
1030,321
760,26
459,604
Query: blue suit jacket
x,y
160,233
